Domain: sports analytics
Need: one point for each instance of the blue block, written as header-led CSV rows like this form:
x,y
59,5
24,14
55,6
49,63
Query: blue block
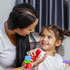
x,y
28,58
27,69
66,61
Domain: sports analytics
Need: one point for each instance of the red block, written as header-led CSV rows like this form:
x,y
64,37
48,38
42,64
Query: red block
x,y
28,66
38,51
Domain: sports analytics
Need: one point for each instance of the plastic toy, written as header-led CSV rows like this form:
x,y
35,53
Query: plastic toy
x,y
38,51
27,62
28,59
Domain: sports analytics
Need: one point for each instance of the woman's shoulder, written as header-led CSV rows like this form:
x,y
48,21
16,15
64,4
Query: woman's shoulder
x,y
2,35
2,30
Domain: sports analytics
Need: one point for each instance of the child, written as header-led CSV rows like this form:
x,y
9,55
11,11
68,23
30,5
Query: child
x,y
51,38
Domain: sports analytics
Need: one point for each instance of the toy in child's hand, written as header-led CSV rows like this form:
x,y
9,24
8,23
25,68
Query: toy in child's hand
x,y
38,51
27,61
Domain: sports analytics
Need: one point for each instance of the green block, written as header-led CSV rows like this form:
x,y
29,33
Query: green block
x,y
27,61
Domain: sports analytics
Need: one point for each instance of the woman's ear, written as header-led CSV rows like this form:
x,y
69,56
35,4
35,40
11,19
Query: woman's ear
x,y
58,43
16,30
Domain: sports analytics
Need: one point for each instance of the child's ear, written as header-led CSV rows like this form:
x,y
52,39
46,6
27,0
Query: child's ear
x,y
58,43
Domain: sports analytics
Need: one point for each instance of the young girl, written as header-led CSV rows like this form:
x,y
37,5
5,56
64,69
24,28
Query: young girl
x,y
51,38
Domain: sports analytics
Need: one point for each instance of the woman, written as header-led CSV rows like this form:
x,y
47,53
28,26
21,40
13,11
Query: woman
x,y
14,42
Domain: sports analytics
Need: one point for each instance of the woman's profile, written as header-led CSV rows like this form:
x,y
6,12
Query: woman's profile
x,y
14,42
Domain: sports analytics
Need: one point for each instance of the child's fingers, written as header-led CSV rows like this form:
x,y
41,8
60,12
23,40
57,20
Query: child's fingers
x,y
38,57
30,53
33,53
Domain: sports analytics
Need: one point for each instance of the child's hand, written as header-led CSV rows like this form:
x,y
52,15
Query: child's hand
x,y
40,60
31,53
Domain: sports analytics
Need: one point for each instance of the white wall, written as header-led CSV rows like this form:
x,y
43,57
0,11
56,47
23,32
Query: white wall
x,y
68,1
5,8
66,44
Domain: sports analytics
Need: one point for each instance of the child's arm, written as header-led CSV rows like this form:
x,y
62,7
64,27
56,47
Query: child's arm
x,y
38,61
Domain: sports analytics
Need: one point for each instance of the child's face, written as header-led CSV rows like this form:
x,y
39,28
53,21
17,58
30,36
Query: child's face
x,y
48,40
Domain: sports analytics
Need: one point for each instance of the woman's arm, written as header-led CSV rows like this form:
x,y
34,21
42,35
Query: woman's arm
x,y
19,68
35,63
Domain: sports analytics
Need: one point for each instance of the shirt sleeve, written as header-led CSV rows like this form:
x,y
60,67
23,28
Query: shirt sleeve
x,y
1,46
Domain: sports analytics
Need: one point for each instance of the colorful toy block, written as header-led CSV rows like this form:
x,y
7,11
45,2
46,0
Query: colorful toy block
x,y
28,65
27,62
27,69
66,61
38,51
28,58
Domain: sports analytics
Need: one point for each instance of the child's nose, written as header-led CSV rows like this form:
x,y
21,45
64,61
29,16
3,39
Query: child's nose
x,y
45,39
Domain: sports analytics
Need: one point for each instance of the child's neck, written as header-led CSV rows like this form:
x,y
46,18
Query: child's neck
x,y
51,53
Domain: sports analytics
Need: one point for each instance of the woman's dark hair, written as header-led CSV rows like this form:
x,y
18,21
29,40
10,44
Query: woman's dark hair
x,y
59,33
20,18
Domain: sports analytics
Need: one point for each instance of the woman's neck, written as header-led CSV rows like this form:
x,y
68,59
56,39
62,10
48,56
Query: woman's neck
x,y
11,35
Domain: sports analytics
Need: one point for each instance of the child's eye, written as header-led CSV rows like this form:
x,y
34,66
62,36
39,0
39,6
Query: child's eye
x,y
49,37
42,35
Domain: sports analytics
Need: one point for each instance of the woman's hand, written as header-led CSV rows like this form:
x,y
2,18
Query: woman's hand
x,y
30,53
19,68
23,64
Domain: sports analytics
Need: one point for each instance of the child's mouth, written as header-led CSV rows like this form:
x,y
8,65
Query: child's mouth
x,y
44,44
